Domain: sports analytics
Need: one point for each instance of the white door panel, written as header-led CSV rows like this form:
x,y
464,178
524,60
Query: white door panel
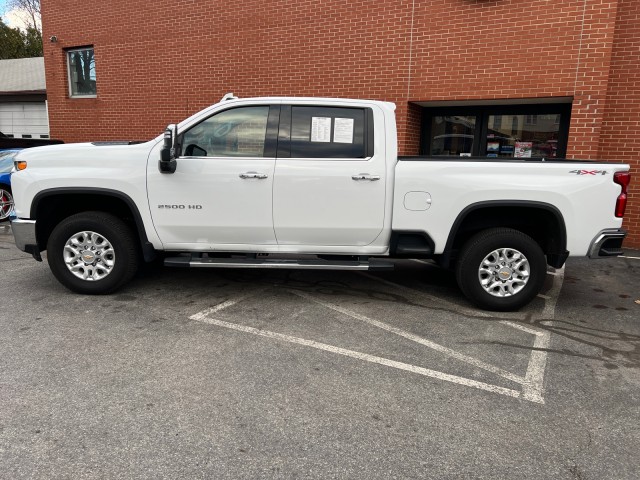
x,y
317,202
208,201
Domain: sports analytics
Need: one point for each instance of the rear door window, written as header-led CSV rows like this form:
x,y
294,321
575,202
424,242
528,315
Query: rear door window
x,y
328,132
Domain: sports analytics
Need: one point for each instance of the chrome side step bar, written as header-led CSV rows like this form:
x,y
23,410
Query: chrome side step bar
x,y
315,264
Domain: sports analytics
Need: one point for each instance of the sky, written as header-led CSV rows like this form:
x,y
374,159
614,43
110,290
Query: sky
x,y
10,17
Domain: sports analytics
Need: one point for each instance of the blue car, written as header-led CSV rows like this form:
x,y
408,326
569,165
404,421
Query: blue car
x,y
6,199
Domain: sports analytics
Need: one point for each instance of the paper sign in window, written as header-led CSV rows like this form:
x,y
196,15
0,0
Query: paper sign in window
x,y
320,129
523,149
343,130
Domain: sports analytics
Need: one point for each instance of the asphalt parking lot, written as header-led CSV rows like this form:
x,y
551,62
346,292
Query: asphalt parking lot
x,y
299,374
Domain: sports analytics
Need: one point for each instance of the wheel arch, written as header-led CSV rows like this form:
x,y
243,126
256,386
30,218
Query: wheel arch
x,y
51,206
541,221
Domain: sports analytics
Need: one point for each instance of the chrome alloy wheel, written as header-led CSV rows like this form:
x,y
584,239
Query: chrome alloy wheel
x,y
89,256
6,204
504,272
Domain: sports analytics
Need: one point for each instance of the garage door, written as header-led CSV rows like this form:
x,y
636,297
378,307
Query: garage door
x,y
24,119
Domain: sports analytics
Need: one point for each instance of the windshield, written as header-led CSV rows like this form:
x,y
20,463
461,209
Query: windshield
x,y
6,161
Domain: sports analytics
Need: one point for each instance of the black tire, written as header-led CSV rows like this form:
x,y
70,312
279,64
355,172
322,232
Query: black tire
x,y
481,246
124,245
5,208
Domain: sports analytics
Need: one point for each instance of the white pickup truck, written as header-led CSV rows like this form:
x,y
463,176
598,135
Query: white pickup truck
x,y
309,183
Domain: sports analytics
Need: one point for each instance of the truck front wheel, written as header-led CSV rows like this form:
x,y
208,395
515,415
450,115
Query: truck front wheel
x,y
501,269
92,253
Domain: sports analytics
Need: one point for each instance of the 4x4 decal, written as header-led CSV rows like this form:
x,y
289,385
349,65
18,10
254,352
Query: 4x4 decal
x,y
589,172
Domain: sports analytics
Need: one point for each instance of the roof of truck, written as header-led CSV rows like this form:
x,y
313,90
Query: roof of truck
x,y
230,97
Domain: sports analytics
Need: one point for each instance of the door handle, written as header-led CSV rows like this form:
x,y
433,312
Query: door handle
x,y
366,176
260,176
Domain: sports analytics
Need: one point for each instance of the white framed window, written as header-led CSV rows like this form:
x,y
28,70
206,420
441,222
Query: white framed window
x,y
81,69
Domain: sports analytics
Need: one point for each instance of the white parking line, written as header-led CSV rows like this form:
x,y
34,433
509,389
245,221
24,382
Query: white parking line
x,y
532,383
626,256
415,338
202,316
534,379
361,356
534,388
524,328
549,310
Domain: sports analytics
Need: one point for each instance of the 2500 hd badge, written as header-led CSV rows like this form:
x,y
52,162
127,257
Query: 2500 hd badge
x,y
180,207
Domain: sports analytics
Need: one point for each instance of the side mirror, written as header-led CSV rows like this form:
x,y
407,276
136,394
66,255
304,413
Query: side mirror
x,y
167,163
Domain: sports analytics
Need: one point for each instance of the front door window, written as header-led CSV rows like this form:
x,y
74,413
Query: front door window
x,y
238,132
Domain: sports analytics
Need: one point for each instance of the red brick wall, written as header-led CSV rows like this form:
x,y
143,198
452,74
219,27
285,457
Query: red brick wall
x,y
156,65
621,125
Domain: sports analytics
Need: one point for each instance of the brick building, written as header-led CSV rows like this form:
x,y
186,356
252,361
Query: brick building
x,y
481,77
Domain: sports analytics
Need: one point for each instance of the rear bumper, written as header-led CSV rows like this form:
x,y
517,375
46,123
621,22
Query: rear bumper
x,y
608,243
24,233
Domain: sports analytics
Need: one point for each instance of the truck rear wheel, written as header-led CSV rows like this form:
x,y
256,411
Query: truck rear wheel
x,y
92,253
501,269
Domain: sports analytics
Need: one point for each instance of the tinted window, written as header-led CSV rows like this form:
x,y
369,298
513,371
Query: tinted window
x,y
325,132
239,132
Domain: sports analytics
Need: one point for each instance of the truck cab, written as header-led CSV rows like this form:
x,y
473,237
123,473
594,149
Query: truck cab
x,y
297,175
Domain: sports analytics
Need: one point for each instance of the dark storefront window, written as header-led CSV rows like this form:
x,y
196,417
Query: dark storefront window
x,y
452,134
500,131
